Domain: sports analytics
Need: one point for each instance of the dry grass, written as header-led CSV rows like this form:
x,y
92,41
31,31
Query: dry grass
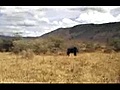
x,y
94,67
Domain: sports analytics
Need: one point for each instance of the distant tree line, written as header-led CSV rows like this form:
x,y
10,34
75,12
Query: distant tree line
x,y
54,45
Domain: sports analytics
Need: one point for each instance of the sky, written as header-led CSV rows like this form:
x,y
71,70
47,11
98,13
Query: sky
x,y
32,21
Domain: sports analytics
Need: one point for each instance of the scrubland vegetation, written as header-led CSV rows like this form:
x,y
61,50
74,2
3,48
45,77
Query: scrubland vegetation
x,y
45,61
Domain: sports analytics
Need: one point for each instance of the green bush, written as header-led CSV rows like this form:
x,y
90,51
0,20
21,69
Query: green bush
x,y
21,45
49,45
56,42
40,48
6,45
115,43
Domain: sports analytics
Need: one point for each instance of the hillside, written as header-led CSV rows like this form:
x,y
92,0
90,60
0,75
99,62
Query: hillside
x,y
83,32
88,32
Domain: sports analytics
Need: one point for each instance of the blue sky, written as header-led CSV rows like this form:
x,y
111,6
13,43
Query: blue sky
x,y
38,20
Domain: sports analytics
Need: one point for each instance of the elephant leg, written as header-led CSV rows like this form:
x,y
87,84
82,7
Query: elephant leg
x,y
68,53
75,54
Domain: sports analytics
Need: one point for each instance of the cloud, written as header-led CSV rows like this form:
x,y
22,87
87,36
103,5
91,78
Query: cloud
x,y
44,20
96,17
68,22
27,22
115,12
60,13
38,20
86,9
65,22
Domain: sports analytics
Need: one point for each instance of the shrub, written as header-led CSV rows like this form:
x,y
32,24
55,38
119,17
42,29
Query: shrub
x,y
6,45
53,44
21,45
56,41
28,54
89,47
115,43
40,48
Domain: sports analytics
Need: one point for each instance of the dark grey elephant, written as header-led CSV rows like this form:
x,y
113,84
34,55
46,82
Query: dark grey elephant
x,y
73,50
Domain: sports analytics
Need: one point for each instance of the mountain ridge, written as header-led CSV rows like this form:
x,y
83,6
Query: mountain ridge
x,y
83,32
88,32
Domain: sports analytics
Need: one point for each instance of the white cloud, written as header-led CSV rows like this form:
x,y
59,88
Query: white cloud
x,y
44,19
96,17
68,21
29,22
55,22
118,18
37,20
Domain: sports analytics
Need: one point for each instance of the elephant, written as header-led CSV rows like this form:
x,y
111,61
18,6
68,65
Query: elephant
x,y
73,50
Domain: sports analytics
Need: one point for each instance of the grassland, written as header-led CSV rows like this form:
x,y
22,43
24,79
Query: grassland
x,y
93,67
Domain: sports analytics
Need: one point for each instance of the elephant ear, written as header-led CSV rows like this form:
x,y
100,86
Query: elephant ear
x,y
76,49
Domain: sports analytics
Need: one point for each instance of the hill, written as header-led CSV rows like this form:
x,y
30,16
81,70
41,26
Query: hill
x,y
88,32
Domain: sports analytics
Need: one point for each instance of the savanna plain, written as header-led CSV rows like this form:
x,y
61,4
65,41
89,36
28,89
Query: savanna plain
x,y
94,67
